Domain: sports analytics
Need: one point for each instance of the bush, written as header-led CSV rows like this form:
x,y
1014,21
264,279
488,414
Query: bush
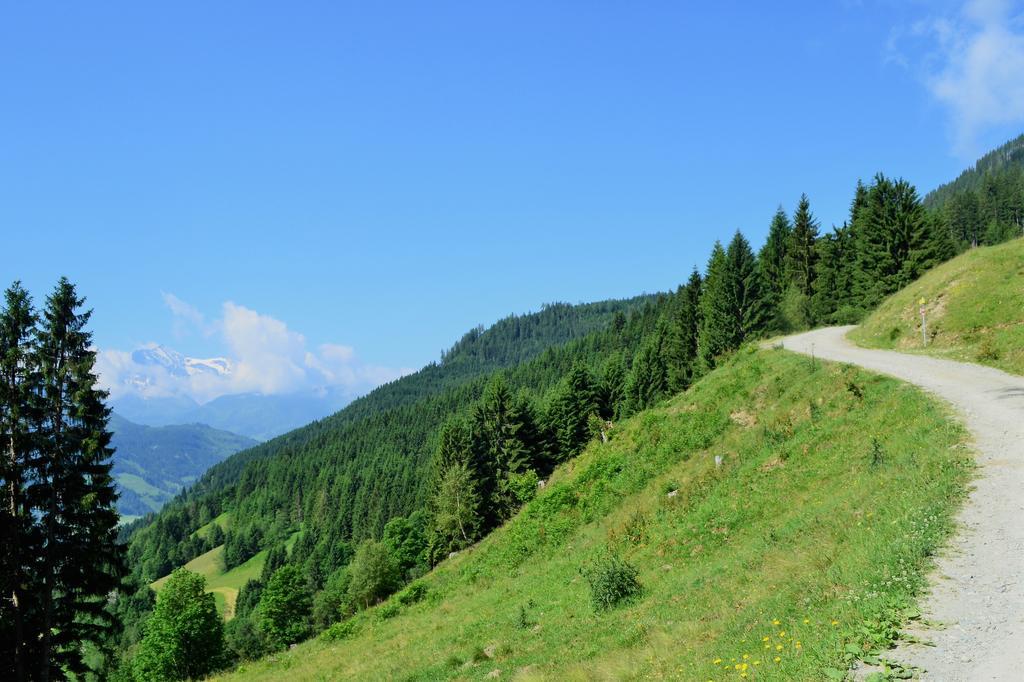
x,y
389,610
244,640
613,581
374,575
412,594
339,631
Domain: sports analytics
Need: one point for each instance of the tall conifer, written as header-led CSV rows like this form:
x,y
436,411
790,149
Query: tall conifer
x,y
716,306
72,491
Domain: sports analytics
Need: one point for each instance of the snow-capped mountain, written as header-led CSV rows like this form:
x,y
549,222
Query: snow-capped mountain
x,y
179,365
159,386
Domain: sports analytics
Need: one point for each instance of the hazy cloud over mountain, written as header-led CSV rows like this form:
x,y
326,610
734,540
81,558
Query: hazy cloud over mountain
x,y
260,355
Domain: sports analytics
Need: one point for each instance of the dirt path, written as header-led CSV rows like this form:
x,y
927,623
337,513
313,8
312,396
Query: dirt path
x,y
978,591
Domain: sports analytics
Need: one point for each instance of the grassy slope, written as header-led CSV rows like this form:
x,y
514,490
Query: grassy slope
x,y
797,537
225,585
974,306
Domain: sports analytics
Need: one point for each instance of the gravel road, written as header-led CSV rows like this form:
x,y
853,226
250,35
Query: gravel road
x,y
978,590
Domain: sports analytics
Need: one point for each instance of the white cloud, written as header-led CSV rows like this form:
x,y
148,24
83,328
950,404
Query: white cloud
x,y
975,67
263,356
186,317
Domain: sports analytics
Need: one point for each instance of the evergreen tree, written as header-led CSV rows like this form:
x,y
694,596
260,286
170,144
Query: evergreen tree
x,y
803,256
19,537
894,241
277,557
286,607
248,597
717,315
833,285
184,638
454,445
681,345
610,390
505,441
569,412
648,378
746,289
71,491
772,259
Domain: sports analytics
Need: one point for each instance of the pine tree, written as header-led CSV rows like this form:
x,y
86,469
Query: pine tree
x,y
569,412
746,289
802,254
772,259
717,315
504,442
454,445
72,490
681,344
610,391
19,391
833,285
894,241
648,378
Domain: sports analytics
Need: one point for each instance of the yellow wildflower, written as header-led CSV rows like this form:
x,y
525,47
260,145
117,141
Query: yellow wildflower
x,y
777,659
806,621
746,656
717,661
778,647
775,622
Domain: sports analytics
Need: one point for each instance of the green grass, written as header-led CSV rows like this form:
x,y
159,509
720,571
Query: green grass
x,y
820,524
151,496
225,585
974,306
223,520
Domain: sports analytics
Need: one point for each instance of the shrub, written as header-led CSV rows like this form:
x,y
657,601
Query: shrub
x,y
374,574
389,610
613,581
412,594
244,640
339,631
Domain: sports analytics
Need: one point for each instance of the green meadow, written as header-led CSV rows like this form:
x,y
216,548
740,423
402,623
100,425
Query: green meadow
x,y
974,310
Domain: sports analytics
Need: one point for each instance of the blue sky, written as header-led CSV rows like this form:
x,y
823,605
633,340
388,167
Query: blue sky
x,y
365,181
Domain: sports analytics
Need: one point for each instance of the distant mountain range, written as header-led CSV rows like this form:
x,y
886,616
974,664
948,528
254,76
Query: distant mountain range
x,y
254,415
152,464
250,414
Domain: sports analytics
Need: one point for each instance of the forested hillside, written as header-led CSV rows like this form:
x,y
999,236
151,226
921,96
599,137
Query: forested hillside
x,y
153,464
371,440
375,495
985,204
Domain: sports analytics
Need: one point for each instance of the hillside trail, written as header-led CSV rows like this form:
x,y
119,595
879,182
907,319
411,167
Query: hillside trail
x,y
977,593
